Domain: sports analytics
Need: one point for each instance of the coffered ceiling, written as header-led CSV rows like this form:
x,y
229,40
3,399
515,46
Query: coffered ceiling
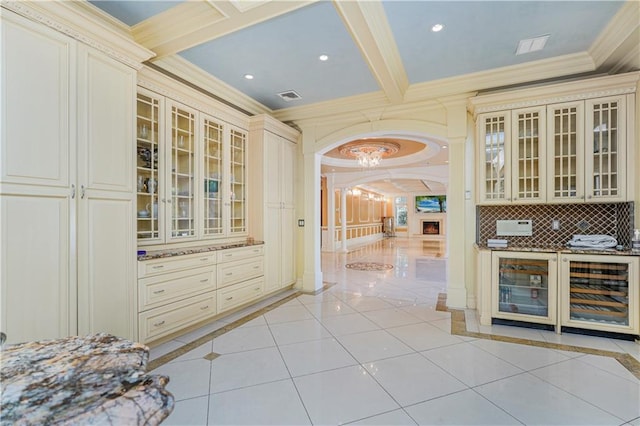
x,y
382,51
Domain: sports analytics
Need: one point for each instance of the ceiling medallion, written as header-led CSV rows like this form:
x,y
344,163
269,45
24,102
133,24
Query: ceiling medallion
x,y
369,153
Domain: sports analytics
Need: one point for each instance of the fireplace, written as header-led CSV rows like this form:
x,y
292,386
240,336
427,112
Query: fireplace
x,y
431,227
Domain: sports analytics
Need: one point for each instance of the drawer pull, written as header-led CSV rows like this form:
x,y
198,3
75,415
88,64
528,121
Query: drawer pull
x,y
228,255
205,280
256,251
229,274
158,324
257,289
229,298
158,292
256,267
204,308
158,267
204,259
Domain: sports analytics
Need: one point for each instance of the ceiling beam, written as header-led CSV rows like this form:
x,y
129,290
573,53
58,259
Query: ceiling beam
x,y
192,23
368,25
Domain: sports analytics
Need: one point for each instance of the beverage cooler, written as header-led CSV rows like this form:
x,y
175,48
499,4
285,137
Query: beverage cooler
x,y
525,286
600,293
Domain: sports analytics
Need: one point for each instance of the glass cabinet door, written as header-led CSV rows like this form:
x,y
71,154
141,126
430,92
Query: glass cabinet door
x,y
213,172
600,292
182,172
565,125
494,149
605,148
147,162
525,287
237,180
528,147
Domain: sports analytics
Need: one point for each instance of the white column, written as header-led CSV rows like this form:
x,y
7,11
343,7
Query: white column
x,y
343,219
312,276
331,214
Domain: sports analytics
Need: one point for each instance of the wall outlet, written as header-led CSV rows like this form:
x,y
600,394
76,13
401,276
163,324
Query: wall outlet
x,y
555,225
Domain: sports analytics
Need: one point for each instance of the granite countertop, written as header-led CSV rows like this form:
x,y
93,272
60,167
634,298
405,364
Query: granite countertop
x,y
169,252
561,249
97,379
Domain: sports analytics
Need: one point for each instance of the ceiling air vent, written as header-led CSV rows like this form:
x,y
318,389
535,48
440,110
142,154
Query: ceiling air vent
x,y
532,44
289,95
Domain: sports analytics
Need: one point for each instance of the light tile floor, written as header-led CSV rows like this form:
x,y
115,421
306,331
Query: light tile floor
x,y
373,350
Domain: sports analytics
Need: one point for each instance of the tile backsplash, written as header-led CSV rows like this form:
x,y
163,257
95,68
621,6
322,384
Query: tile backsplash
x,y
615,219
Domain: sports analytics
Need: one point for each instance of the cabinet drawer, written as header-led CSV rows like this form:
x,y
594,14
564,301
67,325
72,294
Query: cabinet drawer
x,y
230,255
165,320
236,295
166,288
169,264
233,272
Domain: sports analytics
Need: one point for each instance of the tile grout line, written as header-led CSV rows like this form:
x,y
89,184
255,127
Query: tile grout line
x,y
459,327
166,358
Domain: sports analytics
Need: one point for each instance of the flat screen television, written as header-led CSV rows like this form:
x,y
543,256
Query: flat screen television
x,y
431,203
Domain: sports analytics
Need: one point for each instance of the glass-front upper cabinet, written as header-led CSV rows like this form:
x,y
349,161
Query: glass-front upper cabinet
x,y
237,180
528,144
182,171
565,160
213,174
148,167
605,153
600,292
524,286
494,152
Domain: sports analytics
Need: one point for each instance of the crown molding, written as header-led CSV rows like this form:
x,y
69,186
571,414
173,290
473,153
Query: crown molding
x,y
623,25
267,123
556,93
505,76
199,78
172,89
85,23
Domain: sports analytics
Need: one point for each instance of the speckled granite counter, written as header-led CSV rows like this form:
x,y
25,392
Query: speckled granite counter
x,y
562,249
169,252
97,379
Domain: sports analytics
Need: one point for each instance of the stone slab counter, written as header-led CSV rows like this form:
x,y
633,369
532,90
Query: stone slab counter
x,y
170,252
97,379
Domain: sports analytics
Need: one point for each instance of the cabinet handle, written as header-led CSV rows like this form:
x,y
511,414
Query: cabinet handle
x,y
169,201
256,267
589,197
204,259
256,251
205,280
257,289
229,298
82,188
158,292
228,255
229,274
158,267
204,308
73,191
158,324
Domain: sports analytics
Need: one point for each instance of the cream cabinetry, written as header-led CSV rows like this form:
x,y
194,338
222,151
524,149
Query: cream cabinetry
x,y
66,186
273,220
240,276
511,149
524,286
175,293
596,292
191,173
557,152
600,292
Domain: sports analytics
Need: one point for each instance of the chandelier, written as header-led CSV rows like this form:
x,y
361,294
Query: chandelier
x,y
369,153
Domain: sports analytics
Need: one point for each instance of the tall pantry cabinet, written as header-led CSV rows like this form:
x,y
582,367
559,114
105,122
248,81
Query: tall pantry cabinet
x,y
272,174
66,187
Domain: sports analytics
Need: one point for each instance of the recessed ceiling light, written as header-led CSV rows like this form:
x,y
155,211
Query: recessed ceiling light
x,y
437,27
532,44
248,76
323,57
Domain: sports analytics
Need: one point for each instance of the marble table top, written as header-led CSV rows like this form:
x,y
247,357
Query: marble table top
x,y
96,379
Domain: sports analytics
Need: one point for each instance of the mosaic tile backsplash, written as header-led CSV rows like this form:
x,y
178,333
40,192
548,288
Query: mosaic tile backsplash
x,y
615,219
